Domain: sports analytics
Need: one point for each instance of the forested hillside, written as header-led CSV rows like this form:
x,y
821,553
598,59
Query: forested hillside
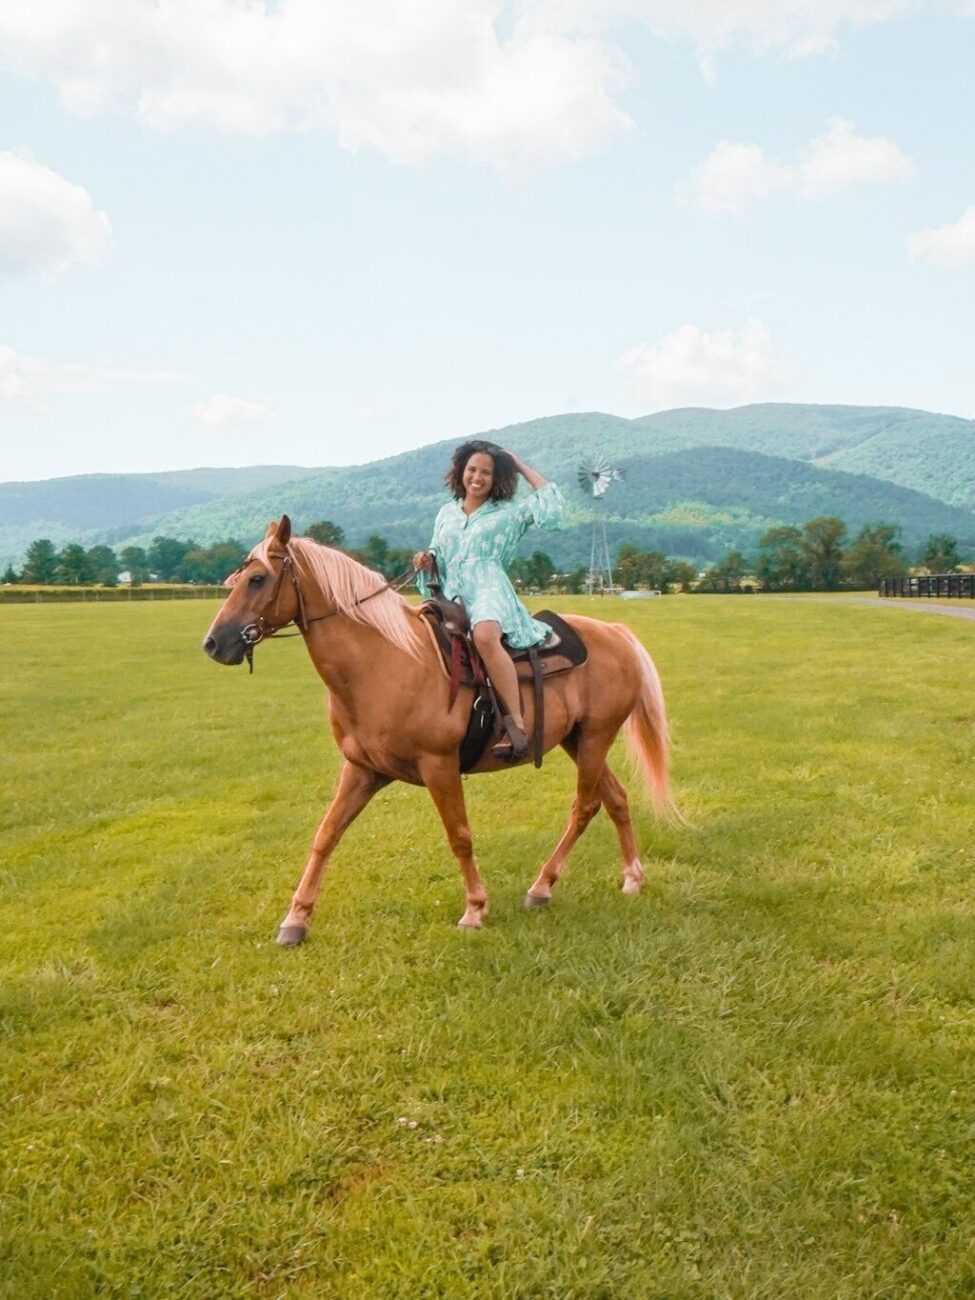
x,y
905,452
110,507
769,488
698,482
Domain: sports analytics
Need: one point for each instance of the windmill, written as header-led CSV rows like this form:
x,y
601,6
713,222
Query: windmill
x,y
595,476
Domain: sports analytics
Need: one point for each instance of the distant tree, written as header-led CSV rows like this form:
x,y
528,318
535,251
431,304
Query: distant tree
x,y
104,565
380,555
136,561
74,566
940,554
540,571
400,560
726,575
193,567
574,581
41,564
875,554
782,562
326,532
210,564
680,574
518,572
635,568
223,558
9,575
822,546
166,554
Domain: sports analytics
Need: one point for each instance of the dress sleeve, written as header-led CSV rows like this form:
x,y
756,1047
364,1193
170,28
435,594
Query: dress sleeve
x,y
422,579
544,507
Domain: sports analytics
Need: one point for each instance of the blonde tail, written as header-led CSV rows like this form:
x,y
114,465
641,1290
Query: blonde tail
x,y
648,736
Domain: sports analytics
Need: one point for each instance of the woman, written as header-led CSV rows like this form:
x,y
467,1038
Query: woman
x,y
474,537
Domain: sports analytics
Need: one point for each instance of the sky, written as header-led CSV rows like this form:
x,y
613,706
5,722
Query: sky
x,y
319,232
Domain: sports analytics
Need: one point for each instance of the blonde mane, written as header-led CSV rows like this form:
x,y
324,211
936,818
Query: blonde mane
x,y
345,582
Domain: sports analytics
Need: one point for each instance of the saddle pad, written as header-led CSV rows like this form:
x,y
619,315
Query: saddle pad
x,y
569,651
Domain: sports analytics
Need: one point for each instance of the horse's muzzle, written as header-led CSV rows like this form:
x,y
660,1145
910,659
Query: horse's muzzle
x,y
226,646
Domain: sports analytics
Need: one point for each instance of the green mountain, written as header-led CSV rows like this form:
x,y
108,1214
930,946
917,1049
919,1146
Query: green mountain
x,y
698,481
938,460
111,507
703,500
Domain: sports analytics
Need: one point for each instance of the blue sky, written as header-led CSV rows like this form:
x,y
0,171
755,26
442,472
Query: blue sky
x,y
320,233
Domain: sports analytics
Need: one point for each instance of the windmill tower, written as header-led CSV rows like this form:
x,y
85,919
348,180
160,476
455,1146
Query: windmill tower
x,y
595,476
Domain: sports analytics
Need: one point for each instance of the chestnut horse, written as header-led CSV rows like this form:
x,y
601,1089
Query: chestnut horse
x,y
388,701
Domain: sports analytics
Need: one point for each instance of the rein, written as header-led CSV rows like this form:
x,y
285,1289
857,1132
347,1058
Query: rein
x,y
260,630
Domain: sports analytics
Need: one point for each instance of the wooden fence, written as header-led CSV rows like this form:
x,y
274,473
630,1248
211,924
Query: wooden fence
x,y
934,584
108,595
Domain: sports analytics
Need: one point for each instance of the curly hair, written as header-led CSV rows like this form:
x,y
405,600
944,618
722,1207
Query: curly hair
x,y
505,475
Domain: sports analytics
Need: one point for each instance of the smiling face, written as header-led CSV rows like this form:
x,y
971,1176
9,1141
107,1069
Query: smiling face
x,y
478,478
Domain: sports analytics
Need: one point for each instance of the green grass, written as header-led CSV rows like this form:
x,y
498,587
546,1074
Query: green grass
x,y
756,1080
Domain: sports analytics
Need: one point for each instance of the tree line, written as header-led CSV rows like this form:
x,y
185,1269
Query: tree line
x,y
169,559
821,556
818,556
166,560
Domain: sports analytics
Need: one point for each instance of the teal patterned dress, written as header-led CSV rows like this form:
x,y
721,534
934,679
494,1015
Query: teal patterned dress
x,y
473,550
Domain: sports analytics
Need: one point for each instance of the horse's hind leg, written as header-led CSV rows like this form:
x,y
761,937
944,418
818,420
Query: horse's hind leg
x,y
589,756
356,787
614,800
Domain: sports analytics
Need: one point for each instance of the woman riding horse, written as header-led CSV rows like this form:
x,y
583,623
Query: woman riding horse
x,y
393,717
474,537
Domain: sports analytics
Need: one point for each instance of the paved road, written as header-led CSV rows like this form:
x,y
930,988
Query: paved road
x,y
923,605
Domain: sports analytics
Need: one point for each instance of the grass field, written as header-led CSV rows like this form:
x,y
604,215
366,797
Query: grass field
x,y
755,1080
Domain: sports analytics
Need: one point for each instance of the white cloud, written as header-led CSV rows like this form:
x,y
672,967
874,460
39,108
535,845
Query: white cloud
x,y
46,222
691,367
225,412
950,247
795,28
731,178
413,81
841,159
734,176
32,381
514,84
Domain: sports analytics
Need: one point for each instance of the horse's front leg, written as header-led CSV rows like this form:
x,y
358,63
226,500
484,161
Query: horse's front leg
x,y
356,787
442,778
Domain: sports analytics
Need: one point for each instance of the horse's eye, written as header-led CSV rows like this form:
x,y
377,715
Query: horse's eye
x,y
257,580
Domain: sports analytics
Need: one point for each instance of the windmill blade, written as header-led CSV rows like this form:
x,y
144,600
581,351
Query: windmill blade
x,y
595,475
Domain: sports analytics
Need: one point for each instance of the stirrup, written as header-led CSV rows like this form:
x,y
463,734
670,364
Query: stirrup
x,y
515,746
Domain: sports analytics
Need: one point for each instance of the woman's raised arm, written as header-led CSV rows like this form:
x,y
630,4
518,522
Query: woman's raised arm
x,y
532,476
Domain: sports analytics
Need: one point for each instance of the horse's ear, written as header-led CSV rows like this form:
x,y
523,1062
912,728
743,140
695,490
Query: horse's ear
x,y
284,530
270,530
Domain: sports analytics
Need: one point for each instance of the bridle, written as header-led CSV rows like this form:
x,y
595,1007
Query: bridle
x,y
252,634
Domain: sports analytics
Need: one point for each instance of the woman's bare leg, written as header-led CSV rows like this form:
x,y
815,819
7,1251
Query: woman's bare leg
x,y
487,638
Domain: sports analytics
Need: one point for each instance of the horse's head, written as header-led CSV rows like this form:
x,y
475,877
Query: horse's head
x,y
263,597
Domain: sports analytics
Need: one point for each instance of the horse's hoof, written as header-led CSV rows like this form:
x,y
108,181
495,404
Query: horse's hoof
x,y
469,925
532,901
631,886
290,936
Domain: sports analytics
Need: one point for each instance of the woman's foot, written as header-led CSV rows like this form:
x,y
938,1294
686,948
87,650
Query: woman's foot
x,y
515,744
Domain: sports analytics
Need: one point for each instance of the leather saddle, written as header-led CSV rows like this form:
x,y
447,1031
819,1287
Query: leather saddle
x,y
563,650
